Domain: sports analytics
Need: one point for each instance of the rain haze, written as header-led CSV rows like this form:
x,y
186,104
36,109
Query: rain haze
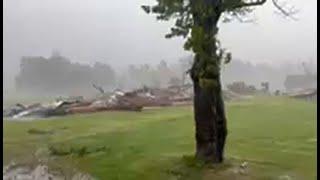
x,y
93,89
119,33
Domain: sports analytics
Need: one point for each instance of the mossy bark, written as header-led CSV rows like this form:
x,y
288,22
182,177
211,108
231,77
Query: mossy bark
x,y
209,113
210,124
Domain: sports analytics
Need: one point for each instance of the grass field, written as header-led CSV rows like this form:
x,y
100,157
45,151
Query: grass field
x,y
276,136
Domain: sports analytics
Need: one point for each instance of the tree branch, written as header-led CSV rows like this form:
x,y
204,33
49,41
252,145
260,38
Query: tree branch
x,y
246,4
286,12
243,20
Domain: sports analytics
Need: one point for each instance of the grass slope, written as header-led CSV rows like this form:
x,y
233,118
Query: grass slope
x,y
276,136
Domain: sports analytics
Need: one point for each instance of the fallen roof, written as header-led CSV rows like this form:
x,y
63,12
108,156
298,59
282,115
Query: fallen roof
x,y
303,93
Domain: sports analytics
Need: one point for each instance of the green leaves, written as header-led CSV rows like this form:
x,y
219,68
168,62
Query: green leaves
x,y
228,58
173,9
197,20
188,44
146,9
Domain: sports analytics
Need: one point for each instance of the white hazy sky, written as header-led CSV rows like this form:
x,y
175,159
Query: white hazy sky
x,y
119,33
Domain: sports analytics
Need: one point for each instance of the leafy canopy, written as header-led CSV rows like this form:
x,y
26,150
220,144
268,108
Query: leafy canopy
x,y
197,21
185,11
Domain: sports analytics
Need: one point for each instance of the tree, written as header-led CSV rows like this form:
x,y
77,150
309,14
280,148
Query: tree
x,y
57,75
103,74
197,21
265,86
175,81
184,65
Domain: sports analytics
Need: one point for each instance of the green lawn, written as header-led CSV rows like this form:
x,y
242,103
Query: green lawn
x,y
276,136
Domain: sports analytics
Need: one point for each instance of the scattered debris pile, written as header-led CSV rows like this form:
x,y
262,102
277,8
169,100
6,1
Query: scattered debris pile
x,y
148,97
229,95
13,110
232,96
37,109
118,100
172,95
182,94
242,88
306,94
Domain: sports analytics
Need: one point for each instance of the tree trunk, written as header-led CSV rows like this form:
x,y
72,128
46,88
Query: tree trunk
x,y
209,115
210,122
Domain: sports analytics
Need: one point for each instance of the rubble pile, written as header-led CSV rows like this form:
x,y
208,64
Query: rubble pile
x,y
229,95
304,94
117,100
242,88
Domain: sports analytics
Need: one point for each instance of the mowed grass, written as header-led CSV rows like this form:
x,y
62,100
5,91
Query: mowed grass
x,y
276,136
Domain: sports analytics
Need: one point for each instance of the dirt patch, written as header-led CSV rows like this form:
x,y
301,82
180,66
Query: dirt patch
x,y
40,172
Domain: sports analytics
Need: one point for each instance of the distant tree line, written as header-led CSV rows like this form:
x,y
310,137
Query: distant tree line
x,y
255,74
241,87
161,75
58,75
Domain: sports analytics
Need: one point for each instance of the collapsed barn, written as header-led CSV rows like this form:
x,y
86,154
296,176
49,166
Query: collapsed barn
x,y
307,95
117,100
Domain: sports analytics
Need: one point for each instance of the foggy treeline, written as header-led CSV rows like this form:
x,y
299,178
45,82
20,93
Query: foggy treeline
x,y
254,74
57,75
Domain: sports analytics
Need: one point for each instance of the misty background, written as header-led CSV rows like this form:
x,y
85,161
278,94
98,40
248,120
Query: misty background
x,y
120,34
